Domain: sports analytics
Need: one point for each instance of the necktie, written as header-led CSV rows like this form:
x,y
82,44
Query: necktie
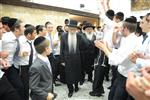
x,y
144,38
31,54
17,48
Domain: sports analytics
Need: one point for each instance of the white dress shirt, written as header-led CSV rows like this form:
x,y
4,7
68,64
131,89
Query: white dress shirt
x,y
108,30
45,59
9,44
50,38
145,49
1,72
120,56
57,47
24,47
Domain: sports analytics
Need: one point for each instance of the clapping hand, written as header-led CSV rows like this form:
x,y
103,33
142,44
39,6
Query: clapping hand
x,y
100,44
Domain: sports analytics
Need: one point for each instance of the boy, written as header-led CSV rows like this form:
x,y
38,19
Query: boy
x,y
41,79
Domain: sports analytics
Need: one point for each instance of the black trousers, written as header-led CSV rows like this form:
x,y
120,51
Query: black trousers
x,y
114,74
13,77
24,74
107,67
98,79
118,90
71,87
7,92
52,60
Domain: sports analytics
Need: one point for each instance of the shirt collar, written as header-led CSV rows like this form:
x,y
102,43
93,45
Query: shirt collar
x,y
45,59
148,34
130,35
12,35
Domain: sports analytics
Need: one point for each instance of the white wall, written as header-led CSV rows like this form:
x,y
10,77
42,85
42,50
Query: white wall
x,y
125,6
93,6
90,5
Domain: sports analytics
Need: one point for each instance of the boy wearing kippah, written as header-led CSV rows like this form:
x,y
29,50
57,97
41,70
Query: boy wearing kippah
x,y
41,79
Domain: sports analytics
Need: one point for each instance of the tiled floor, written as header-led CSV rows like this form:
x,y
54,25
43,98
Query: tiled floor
x,y
82,94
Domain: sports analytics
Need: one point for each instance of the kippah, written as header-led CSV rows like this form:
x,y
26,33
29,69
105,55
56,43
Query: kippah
x,y
39,40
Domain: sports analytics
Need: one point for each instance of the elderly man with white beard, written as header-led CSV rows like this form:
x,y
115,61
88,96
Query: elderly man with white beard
x,y
88,54
71,43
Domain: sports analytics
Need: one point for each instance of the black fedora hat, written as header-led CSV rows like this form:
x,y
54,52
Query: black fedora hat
x,y
73,23
88,25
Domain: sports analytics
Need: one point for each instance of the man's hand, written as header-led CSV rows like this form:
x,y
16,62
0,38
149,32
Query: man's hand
x,y
100,44
4,63
50,96
4,54
133,88
140,55
133,57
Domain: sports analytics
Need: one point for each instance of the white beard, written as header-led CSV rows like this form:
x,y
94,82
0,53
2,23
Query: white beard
x,y
89,35
72,40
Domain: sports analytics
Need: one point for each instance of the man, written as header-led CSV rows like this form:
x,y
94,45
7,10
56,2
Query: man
x,y
57,42
5,21
116,40
70,52
49,28
89,54
10,43
120,57
7,91
143,52
141,58
26,57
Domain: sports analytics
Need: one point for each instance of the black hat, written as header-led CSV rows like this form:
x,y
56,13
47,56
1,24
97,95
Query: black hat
x,y
88,25
12,22
5,20
73,23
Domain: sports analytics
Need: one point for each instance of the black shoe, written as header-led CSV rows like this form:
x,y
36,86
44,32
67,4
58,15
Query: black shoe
x,y
109,87
95,94
55,95
107,79
81,82
70,94
76,89
102,91
90,80
57,84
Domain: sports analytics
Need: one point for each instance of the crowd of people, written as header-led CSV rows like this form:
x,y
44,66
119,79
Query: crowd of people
x,y
32,58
